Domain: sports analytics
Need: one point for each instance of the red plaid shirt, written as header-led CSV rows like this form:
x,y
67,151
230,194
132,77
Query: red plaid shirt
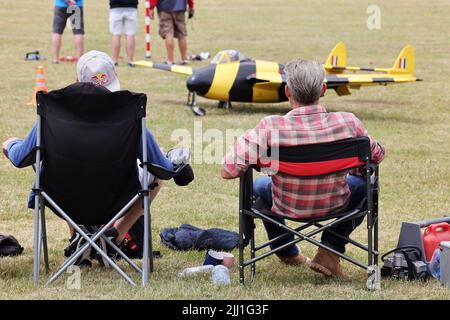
x,y
297,197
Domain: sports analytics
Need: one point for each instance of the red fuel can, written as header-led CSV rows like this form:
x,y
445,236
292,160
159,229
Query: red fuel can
x,y
433,235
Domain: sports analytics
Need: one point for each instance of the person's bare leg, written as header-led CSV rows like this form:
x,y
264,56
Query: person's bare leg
x,y
131,45
56,46
79,44
71,230
156,190
136,211
115,48
182,43
126,222
169,47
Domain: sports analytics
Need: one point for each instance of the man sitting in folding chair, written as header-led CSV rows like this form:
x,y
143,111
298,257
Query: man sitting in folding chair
x,y
98,69
295,197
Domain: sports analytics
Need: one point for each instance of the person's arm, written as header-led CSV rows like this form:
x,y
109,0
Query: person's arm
x,y
153,4
377,149
154,153
191,9
245,152
21,153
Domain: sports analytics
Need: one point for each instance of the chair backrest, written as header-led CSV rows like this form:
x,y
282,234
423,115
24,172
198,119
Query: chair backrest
x,y
90,144
320,159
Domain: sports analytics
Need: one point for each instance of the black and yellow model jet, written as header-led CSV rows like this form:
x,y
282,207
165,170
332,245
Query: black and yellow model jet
x,y
231,76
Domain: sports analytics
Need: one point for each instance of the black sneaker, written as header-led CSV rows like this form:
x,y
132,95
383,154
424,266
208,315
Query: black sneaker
x,y
76,242
112,235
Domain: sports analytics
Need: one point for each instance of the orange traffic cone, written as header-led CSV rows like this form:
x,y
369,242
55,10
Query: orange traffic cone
x,y
40,85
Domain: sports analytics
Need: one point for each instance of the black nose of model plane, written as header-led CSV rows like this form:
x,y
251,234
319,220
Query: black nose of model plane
x,y
200,81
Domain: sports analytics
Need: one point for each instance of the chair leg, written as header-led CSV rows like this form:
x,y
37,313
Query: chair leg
x,y
375,241
79,252
146,254
44,236
252,250
369,240
241,248
120,252
37,242
373,280
150,243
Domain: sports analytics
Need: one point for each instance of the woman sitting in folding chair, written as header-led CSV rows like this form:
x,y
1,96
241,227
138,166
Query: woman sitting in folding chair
x,y
97,68
296,197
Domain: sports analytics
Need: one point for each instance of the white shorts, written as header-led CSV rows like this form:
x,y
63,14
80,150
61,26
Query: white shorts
x,y
123,20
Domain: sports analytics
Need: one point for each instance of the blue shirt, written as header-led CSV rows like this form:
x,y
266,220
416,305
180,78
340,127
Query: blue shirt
x,y
64,4
171,5
22,153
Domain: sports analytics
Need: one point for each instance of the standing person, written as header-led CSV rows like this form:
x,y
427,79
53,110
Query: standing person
x,y
172,23
123,17
65,9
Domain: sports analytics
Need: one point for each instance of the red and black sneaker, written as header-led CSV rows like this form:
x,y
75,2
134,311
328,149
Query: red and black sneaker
x,y
112,235
76,242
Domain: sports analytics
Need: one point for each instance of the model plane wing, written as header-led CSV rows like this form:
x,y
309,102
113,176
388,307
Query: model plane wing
x,y
402,71
343,83
185,70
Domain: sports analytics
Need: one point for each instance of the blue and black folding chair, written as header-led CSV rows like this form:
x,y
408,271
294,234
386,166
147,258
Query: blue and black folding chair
x,y
315,160
86,169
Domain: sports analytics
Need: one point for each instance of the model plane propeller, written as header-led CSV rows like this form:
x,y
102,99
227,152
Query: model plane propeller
x,y
232,77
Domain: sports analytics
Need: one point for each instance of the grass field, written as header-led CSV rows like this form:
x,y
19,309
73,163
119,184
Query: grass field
x,y
412,121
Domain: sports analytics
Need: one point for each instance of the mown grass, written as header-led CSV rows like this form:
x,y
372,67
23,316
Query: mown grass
x,y
411,120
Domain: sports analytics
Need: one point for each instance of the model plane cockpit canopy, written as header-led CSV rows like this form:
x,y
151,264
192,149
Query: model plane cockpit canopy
x,y
227,56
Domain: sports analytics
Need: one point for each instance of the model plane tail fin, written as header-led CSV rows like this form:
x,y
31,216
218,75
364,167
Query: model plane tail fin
x,y
404,62
337,62
337,59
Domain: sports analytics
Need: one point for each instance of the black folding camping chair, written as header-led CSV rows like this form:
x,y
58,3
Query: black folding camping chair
x,y
313,161
86,169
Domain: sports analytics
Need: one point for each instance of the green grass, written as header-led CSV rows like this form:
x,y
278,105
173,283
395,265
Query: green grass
x,y
411,120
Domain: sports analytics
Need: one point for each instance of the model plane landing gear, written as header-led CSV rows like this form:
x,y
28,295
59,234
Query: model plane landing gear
x,y
192,103
224,104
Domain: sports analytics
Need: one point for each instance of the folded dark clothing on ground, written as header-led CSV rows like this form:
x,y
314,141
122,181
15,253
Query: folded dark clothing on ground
x,y
188,237
9,246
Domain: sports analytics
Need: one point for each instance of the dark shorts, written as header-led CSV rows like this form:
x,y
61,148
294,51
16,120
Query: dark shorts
x,y
172,23
61,15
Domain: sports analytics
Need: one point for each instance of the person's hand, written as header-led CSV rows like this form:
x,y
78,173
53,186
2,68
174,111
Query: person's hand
x,y
152,14
191,13
5,145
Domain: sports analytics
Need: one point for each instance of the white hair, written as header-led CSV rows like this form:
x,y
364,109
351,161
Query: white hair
x,y
305,80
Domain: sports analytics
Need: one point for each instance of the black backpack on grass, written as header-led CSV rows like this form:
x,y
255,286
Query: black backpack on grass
x,y
9,246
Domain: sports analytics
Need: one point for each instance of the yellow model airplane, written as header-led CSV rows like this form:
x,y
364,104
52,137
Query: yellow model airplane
x,y
232,76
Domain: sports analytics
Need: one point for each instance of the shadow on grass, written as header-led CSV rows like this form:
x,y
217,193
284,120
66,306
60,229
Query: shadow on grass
x,y
368,110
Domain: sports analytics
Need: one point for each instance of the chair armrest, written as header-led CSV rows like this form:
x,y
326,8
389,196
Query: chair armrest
x,y
182,172
161,172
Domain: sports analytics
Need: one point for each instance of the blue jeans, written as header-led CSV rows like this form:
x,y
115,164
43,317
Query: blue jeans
x,y
262,187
